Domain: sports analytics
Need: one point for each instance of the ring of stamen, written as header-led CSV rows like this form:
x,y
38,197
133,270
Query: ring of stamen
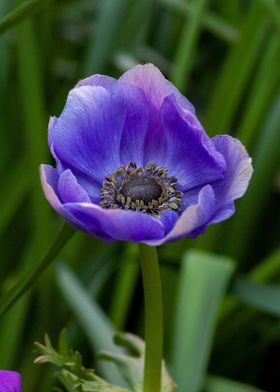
x,y
147,189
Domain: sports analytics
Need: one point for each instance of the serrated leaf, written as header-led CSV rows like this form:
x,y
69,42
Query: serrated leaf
x,y
131,366
63,343
73,375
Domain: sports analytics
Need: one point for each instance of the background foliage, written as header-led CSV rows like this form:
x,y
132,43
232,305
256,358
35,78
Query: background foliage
x,y
221,312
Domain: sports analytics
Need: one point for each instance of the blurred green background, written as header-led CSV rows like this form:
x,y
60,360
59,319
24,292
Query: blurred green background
x,y
224,56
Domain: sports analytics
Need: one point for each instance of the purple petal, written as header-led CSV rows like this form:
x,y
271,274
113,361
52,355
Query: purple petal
x,y
69,189
87,135
136,123
49,181
223,213
149,79
190,155
10,381
98,80
194,219
237,175
52,122
118,224
168,219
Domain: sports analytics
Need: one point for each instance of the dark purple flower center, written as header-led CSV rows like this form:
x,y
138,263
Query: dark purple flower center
x,y
142,188
146,189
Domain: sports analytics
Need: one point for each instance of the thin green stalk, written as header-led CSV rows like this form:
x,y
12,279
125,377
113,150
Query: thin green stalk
x,y
187,44
235,74
28,280
210,20
124,287
18,184
266,164
109,18
153,318
260,96
24,10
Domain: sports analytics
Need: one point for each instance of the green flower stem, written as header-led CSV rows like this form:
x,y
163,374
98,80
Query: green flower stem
x,y
153,318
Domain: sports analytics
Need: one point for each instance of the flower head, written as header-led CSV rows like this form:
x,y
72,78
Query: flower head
x,y
134,163
10,381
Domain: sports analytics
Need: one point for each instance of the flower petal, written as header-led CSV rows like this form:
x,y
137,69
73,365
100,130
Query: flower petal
x,y
149,79
98,80
49,181
238,173
10,381
69,189
168,219
118,224
194,219
190,155
136,123
87,135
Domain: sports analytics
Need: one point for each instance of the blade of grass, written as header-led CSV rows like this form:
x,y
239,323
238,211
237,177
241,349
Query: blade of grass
x,y
18,184
10,338
260,94
94,322
273,9
266,164
30,278
24,10
187,45
35,126
125,286
265,271
234,74
210,20
133,29
203,282
230,10
108,20
4,71
261,296
219,384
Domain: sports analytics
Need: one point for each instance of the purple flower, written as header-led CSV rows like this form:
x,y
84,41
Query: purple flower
x,y
10,381
134,163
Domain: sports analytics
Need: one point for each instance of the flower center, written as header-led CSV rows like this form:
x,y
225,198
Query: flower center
x,y
146,189
141,188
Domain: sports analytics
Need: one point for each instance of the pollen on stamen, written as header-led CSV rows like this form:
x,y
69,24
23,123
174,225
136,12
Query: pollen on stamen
x,y
147,189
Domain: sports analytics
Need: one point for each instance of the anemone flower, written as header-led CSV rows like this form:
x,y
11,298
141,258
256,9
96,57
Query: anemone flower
x,y
134,163
10,381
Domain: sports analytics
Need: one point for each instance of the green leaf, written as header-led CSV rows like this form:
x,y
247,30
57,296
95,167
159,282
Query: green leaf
x,y
94,322
132,366
31,277
18,183
73,375
187,45
219,384
260,94
25,10
125,286
203,281
262,296
226,94
109,17
214,23
265,270
266,163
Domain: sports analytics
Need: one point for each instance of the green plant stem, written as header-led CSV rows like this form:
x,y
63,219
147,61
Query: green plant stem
x,y
23,11
153,318
28,280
